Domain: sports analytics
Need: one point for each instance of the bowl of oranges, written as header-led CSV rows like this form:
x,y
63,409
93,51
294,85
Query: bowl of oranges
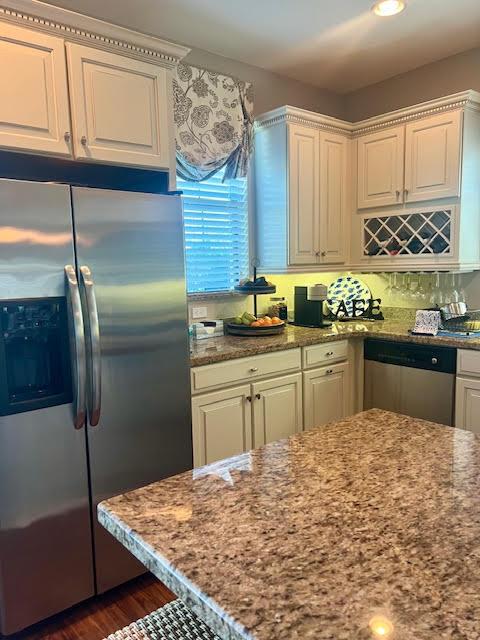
x,y
249,325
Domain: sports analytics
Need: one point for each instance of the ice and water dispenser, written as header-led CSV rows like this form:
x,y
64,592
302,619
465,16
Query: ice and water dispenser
x,y
34,355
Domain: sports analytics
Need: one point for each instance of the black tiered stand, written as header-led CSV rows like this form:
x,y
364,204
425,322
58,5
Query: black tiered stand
x,y
255,291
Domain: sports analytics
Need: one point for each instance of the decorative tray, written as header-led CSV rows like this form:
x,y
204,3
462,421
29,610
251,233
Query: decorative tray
x,y
245,330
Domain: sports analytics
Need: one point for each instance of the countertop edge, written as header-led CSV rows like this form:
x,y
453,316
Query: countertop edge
x,y
305,341
208,611
199,361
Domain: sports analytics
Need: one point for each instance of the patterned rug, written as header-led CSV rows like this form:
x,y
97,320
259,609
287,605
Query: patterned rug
x,y
174,621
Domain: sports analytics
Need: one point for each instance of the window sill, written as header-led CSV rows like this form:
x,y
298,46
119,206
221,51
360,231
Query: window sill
x,y
214,295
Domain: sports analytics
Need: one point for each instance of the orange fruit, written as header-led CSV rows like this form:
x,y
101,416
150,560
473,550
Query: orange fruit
x,y
276,320
255,323
261,321
267,320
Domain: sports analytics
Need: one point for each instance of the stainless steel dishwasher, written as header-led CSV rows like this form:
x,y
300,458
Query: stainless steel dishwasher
x,y
413,379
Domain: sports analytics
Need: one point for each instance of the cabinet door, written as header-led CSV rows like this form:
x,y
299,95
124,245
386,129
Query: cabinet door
x,y
333,197
432,157
380,168
326,395
222,424
304,150
119,108
34,111
277,409
467,404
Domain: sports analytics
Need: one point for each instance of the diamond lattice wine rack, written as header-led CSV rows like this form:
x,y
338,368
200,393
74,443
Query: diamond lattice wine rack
x,y
409,234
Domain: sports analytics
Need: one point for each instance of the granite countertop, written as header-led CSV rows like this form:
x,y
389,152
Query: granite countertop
x,y
368,523
230,347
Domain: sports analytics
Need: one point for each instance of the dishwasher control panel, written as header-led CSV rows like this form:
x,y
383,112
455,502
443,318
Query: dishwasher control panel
x,y
408,354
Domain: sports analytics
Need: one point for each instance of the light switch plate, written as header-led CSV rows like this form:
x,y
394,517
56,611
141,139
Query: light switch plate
x,y
199,312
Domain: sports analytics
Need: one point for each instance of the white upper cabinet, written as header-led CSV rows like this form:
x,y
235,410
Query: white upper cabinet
x,y
317,187
410,163
301,193
106,107
428,217
432,157
380,168
303,156
118,108
333,197
34,114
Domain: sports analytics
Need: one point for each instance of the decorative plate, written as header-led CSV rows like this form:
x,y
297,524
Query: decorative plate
x,y
346,289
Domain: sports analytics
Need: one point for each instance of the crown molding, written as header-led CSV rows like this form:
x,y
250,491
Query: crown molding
x,y
77,27
303,117
466,100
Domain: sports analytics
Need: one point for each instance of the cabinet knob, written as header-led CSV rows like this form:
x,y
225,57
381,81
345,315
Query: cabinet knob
x,y
249,398
253,369
405,191
67,136
434,360
323,254
317,253
258,396
397,193
83,140
329,372
329,353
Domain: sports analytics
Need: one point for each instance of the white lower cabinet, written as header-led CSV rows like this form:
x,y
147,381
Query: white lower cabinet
x,y
467,391
233,420
226,423
326,395
467,404
277,409
222,424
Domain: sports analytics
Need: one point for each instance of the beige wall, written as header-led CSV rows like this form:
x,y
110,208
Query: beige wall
x,y
271,90
434,80
456,73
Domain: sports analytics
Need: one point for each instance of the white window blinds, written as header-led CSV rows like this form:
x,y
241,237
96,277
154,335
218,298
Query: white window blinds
x,y
216,233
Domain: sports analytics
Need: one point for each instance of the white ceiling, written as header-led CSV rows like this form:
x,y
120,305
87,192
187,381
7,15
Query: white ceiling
x,y
335,44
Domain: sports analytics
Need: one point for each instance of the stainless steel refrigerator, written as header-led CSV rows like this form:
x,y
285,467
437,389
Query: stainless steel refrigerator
x,y
94,381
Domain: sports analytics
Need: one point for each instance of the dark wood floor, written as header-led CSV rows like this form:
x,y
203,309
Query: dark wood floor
x,y
97,618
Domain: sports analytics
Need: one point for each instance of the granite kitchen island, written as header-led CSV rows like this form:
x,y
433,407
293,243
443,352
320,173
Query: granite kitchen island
x,y
365,528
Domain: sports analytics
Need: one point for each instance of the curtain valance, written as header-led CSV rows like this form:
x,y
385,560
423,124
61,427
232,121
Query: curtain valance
x,y
213,120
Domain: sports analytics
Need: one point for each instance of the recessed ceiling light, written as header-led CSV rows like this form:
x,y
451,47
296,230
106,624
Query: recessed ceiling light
x,y
386,8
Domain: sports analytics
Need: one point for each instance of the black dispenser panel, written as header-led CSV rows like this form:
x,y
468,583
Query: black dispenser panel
x,y
34,355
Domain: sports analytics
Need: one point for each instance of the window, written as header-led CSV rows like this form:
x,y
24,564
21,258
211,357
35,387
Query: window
x,y
216,233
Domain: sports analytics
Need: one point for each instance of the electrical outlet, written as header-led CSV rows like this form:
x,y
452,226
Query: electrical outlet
x,y
199,312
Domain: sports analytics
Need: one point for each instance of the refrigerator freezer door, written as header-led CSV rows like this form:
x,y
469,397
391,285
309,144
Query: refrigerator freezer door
x,y
133,245
45,538
35,239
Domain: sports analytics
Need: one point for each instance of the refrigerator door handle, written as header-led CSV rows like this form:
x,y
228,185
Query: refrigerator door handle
x,y
95,356
77,347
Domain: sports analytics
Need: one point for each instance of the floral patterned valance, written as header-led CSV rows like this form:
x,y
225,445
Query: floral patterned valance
x,y
213,119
